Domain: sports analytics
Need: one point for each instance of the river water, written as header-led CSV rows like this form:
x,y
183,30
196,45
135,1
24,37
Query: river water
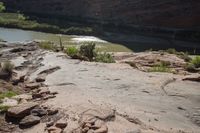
x,y
133,43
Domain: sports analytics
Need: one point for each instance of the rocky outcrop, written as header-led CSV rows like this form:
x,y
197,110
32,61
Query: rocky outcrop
x,y
170,13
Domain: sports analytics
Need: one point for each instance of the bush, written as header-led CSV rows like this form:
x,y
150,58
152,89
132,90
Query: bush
x,y
161,67
196,61
105,58
171,51
190,67
88,51
72,51
182,55
7,67
2,7
47,45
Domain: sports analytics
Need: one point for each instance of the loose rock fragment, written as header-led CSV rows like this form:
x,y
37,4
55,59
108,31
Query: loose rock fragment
x,y
30,121
61,124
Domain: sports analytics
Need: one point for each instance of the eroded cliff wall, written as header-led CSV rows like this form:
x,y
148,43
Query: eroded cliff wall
x,y
161,13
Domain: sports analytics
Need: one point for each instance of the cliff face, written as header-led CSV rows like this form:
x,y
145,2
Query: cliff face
x,y
164,13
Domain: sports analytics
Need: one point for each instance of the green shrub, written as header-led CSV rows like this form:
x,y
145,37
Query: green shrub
x,y
105,58
171,51
196,61
161,67
7,67
190,67
47,45
3,108
7,94
88,51
2,7
72,51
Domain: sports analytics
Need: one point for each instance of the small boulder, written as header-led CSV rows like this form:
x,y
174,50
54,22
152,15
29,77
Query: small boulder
x,y
61,124
54,130
103,129
40,79
50,123
21,110
44,90
39,112
52,111
32,86
29,121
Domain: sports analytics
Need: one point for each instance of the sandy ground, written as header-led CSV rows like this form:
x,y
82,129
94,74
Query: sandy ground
x,y
162,102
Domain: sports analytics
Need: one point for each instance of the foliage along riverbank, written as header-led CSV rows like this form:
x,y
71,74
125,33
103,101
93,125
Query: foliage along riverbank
x,y
17,20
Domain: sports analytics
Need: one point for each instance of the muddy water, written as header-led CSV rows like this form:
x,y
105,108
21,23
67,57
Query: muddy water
x,y
16,35
132,43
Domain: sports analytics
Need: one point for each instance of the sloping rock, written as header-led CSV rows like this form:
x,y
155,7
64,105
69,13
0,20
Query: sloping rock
x,y
49,71
29,121
21,110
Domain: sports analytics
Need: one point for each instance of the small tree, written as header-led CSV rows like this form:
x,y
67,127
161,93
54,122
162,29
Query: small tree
x,y
2,7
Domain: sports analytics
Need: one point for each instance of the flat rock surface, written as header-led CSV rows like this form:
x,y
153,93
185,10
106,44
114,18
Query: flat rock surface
x,y
21,110
151,102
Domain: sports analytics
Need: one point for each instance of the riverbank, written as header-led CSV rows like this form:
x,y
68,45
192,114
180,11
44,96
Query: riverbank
x,y
119,97
16,20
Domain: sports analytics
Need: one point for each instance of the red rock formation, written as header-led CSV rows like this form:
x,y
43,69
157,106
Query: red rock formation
x,y
165,13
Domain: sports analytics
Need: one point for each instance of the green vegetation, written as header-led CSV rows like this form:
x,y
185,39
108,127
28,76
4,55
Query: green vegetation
x,y
17,20
105,58
7,67
47,45
182,55
161,67
3,108
72,51
2,7
193,65
196,61
7,94
88,52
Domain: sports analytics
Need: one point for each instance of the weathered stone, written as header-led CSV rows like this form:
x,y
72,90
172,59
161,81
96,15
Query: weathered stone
x,y
49,97
54,93
29,121
98,124
90,131
22,96
38,112
103,129
18,49
36,95
54,130
32,86
50,70
44,90
40,79
61,124
4,75
21,110
50,123
85,130
52,111
135,131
